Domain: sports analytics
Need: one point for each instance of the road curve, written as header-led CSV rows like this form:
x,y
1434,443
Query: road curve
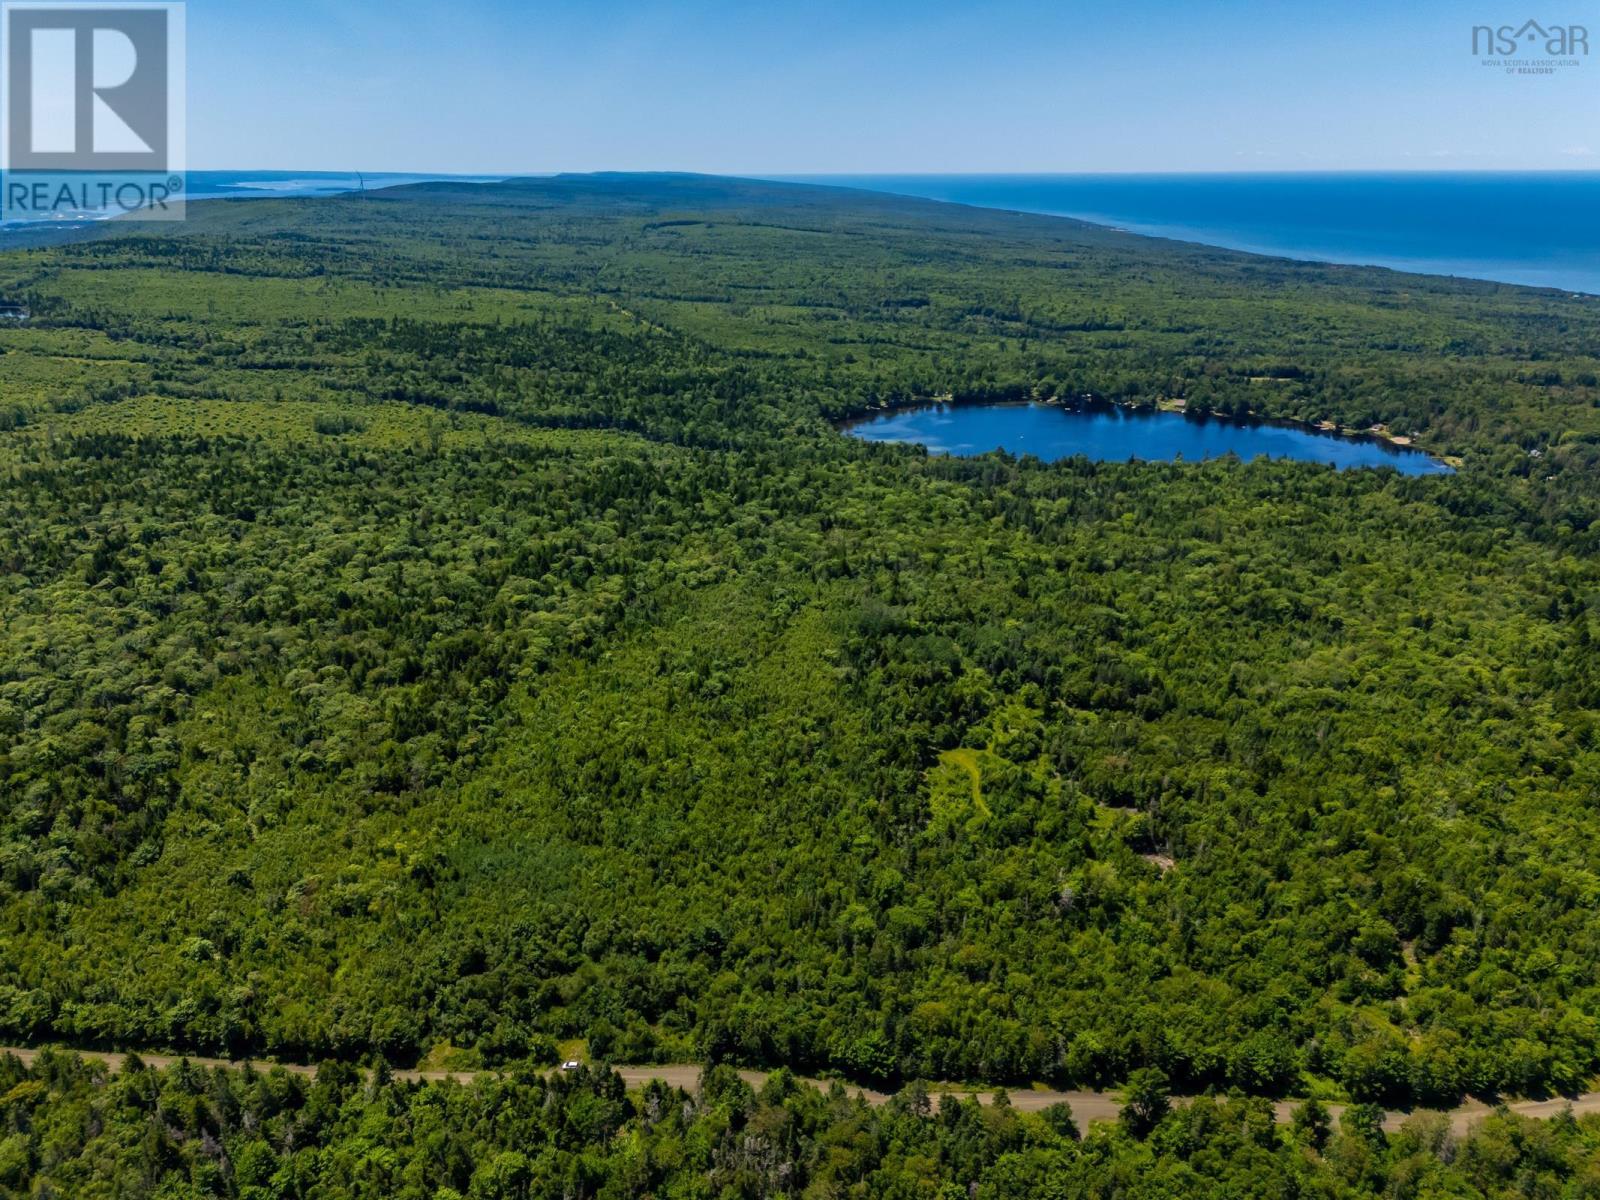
x,y
1087,1107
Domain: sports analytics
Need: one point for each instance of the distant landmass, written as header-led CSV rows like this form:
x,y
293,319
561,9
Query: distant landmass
x,y
228,185
213,185
1533,229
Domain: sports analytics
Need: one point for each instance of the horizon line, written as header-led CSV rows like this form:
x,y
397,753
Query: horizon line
x,y
525,173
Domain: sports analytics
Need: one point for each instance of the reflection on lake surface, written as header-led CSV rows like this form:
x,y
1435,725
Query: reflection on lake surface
x,y
1108,433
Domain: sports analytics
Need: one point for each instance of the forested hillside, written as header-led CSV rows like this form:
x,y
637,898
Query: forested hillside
x,y
444,622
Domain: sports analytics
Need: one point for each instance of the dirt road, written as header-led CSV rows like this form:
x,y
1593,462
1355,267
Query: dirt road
x,y
1087,1107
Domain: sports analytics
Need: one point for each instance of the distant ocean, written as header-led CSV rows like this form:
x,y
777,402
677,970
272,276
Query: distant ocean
x,y
1541,229
240,185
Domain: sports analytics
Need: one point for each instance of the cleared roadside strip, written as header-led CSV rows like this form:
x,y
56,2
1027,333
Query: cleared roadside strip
x,y
1087,1107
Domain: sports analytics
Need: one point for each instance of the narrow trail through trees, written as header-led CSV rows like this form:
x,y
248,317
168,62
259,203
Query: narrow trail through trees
x,y
1086,1106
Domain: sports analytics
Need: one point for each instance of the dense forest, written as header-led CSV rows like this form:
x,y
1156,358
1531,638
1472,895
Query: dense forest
x,y
445,624
70,1129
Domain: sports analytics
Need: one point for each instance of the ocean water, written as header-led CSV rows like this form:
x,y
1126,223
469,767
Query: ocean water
x,y
1540,229
1108,433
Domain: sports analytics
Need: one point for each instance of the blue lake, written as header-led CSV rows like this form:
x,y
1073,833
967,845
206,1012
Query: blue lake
x,y
1107,433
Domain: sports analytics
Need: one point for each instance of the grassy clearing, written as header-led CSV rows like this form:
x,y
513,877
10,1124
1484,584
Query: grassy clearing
x,y
956,785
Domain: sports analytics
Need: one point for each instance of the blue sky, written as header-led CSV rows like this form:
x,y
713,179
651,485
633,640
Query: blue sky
x,y
767,87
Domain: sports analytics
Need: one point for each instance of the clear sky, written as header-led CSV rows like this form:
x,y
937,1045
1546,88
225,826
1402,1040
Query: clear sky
x,y
881,86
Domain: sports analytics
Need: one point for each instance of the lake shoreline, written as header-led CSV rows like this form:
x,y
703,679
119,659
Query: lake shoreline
x,y
1378,435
